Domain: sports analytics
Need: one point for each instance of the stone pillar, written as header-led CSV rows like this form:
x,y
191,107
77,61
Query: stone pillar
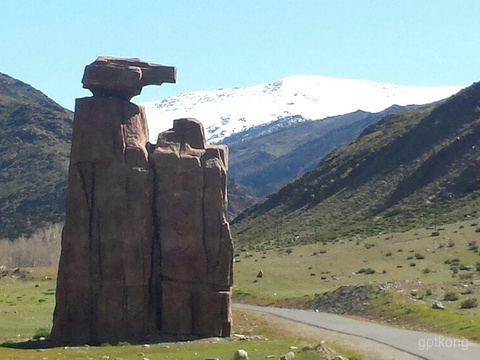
x,y
104,272
103,287
196,249
146,248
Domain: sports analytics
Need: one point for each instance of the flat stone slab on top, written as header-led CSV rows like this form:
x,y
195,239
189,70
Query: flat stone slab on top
x,y
124,78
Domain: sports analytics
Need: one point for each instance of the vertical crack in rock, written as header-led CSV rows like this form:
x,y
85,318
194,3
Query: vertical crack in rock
x,y
204,235
90,244
155,297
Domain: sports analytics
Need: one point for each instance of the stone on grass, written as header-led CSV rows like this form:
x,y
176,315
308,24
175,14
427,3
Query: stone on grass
x,y
288,356
438,305
240,354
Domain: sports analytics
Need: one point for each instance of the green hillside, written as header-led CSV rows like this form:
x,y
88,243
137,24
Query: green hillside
x,y
411,169
35,135
267,157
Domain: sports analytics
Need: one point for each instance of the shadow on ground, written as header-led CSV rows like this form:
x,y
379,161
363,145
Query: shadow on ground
x,y
29,345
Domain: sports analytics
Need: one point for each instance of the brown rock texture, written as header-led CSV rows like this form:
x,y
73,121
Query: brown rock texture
x,y
123,77
103,290
146,248
195,244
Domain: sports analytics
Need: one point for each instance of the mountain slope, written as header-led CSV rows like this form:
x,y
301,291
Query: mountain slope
x,y
35,135
406,170
269,159
227,111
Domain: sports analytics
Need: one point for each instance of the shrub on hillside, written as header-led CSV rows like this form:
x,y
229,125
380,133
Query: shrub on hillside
x,y
451,296
469,303
472,246
367,271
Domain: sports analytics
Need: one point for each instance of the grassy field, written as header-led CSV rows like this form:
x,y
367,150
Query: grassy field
x,y
26,305
417,267
27,299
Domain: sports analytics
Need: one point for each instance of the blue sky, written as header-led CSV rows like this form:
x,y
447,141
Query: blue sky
x,y
230,43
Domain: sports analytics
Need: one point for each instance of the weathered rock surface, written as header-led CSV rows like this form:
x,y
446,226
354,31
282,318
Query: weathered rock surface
x,y
146,247
104,275
196,255
124,78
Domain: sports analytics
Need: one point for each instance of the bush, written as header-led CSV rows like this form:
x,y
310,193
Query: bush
x,y
367,271
419,256
451,296
42,332
427,271
123,344
469,303
472,246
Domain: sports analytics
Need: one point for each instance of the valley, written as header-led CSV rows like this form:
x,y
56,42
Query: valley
x,y
392,278
409,170
372,215
368,278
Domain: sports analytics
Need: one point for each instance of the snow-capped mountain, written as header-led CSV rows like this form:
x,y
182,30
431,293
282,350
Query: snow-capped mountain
x,y
224,112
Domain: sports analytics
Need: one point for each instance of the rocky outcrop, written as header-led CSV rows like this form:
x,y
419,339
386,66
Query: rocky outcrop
x,y
196,270
146,248
104,271
124,78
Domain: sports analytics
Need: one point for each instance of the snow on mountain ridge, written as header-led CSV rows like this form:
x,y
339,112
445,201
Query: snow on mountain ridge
x,y
227,111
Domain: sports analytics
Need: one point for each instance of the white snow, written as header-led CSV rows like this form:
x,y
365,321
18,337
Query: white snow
x,y
227,111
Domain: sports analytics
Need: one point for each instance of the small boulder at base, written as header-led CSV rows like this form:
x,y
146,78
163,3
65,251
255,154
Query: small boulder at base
x,y
438,305
240,354
288,356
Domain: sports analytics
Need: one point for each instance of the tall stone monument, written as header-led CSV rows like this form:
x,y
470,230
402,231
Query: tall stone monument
x,y
146,248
